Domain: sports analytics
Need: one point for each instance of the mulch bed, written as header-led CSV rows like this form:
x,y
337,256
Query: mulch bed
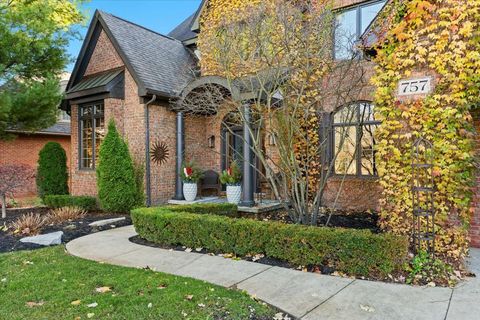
x,y
338,219
71,229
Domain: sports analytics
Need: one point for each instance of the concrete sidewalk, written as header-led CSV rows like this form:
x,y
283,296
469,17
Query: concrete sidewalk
x,y
303,295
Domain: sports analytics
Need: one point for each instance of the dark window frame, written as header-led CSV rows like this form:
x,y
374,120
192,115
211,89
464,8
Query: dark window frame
x,y
94,117
359,125
358,11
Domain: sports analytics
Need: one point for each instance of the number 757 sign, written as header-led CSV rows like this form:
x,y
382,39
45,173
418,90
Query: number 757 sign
x,y
415,86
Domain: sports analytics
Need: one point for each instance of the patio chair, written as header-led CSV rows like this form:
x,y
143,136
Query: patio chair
x,y
210,181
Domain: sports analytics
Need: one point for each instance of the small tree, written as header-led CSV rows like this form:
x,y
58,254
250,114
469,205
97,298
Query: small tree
x,y
33,50
12,177
279,57
52,174
117,188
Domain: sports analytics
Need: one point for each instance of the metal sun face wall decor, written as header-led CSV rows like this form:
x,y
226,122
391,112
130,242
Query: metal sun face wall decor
x,y
159,153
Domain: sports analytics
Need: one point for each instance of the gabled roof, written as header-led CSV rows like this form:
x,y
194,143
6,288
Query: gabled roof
x,y
188,29
183,31
159,64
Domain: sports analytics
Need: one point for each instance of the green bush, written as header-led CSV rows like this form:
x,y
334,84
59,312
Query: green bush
x,y
221,209
355,252
52,174
117,188
60,201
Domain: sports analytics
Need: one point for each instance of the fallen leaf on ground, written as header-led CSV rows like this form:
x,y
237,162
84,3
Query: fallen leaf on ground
x,y
92,305
188,250
32,304
162,286
103,289
367,308
198,249
257,257
189,297
76,302
90,315
201,305
27,262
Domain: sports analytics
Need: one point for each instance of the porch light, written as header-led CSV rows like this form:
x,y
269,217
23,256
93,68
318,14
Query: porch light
x,y
211,142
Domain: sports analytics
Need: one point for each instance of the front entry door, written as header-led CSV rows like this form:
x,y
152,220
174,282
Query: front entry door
x,y
232,150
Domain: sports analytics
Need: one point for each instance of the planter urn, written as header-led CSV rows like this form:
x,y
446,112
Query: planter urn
x,y
190,191
234,194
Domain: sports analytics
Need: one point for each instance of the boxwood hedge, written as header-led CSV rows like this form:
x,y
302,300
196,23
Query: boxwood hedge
x,y
355,252
84,202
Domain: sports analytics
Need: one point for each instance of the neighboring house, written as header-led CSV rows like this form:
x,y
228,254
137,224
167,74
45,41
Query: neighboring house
x,y
25,147
131,74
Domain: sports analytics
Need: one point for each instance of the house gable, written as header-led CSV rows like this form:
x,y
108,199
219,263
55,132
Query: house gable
x,y
104,57
159,64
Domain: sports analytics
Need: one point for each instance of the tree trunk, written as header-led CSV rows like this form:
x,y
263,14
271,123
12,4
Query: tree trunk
x,y
4,206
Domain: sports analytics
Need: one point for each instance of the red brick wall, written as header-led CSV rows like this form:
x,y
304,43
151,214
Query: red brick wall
x,y
475,221
104,57
24,150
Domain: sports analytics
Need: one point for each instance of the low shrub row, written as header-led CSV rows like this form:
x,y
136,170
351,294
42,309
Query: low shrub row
x,y
355,252
83,202
220,209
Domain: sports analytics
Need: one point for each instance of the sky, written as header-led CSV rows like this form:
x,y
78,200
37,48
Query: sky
x,y
159,15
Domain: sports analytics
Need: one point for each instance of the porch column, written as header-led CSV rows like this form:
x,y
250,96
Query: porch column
x,y
180,148
248,174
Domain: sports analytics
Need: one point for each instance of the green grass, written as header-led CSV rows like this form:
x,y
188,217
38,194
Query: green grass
x,y
54,279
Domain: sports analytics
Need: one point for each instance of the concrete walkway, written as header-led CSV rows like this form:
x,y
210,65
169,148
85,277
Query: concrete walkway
x,y
303,295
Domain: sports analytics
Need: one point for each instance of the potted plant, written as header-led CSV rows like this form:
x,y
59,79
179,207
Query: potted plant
x,y
190,175
232,177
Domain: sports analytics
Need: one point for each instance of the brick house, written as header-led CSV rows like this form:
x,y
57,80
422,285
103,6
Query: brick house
x,y
131,74
24,149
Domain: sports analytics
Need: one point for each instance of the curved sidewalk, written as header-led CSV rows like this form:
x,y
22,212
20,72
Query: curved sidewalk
x,y
303,295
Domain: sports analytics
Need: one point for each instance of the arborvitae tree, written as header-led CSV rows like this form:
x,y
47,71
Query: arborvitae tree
x,y
52,173
117,188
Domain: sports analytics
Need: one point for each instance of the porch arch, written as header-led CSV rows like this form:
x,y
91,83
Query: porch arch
x,y
212,80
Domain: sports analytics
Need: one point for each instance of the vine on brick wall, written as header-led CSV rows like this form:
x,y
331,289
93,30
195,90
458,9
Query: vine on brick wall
x,y
304,83
442,39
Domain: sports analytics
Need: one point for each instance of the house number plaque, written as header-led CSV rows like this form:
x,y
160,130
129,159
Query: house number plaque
x,y
415,86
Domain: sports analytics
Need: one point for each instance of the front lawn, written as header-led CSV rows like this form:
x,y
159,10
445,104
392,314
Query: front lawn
x,y
50,284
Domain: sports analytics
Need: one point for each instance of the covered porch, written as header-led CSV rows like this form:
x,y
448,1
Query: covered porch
x,y
234,143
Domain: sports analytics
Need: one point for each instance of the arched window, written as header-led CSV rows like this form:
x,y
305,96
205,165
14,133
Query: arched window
x,y
353,140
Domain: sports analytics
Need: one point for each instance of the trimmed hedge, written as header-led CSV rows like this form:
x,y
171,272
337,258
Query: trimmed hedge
x,y
221,209
355,252
84,202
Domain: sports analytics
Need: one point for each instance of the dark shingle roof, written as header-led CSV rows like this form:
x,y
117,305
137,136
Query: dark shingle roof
x,y
60,128
161,64
184,31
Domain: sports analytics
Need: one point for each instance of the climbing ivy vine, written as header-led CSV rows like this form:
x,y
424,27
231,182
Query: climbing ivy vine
x,y
441,39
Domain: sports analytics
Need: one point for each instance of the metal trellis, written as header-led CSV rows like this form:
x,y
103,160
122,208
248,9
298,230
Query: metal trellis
x,y
423,191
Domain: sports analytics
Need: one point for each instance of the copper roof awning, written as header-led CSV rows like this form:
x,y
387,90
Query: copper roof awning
x,y
106,82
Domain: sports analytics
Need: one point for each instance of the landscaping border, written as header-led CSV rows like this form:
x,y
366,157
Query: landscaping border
x,y
355,252
59,201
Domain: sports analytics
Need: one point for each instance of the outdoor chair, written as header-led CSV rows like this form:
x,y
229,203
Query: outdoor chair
x,y
210,181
